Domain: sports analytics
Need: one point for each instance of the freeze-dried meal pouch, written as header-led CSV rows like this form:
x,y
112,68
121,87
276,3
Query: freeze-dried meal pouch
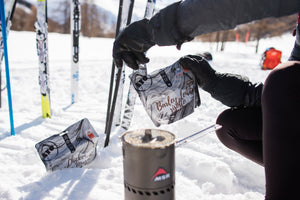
x,y
168,94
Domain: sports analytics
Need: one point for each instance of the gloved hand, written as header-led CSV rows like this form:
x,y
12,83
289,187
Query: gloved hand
x,y
132,43
232,90
202,70
162,29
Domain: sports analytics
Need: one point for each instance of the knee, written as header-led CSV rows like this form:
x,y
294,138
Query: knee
x,y
222,118
224,133
280,101
275,80
281,82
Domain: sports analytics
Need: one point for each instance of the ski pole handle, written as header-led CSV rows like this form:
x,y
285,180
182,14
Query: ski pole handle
x,y
196,135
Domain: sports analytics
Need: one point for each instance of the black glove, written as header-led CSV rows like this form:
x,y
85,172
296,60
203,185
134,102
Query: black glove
x,y
202,70
162,29
132,43
231,89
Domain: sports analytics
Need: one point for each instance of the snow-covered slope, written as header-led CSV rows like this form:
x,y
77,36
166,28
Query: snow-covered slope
x,y
205,169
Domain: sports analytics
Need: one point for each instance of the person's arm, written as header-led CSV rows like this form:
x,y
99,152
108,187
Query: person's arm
x,y
181,21
235,90
184,20
232,90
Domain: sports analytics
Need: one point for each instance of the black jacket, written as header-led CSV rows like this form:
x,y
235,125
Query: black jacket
x,y
235,90
184,20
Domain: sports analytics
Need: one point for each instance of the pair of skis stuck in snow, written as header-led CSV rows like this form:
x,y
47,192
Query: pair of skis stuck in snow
x,y
41,26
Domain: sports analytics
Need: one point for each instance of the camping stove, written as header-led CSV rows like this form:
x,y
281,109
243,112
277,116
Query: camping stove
x,y
149,164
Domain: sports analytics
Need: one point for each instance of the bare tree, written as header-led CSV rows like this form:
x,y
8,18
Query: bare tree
x,y
91,19
257,30
63,10
23,20
66,14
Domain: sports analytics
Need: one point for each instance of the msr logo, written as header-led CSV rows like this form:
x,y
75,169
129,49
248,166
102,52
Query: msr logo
x,y
90,134
141,81
161,175
48,150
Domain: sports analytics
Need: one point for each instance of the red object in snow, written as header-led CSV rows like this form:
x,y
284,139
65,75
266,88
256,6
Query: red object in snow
x,y
271,58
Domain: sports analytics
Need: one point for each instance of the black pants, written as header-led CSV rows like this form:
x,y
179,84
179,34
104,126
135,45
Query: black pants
x,y
270,135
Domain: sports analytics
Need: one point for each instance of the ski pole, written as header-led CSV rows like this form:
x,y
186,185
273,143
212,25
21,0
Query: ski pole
x,y
9,16
111,116
3,24
111,105
112,76
198,134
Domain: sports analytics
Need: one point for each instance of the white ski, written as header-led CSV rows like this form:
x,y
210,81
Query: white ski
x,y
131,96
75,32
41,26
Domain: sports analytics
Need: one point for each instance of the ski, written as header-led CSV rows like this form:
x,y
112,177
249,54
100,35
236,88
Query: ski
x,y
118,109
131,96
150,8
9,12
124,18
41,26
75,31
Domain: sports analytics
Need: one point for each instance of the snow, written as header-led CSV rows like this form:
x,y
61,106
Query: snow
x,y
205,168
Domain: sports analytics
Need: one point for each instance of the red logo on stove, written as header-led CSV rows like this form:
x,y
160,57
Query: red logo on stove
x,y
161,175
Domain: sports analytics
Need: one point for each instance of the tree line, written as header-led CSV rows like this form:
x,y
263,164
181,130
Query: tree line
x,y
254,31
93,20
94,24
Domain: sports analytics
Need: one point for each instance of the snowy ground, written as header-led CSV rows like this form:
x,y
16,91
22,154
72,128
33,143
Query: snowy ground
x,y
205,169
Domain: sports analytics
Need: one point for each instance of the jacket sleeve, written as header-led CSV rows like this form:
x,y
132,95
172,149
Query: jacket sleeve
x,y
234,90
184,20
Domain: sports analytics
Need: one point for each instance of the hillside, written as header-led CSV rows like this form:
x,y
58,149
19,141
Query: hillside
x,y
99,20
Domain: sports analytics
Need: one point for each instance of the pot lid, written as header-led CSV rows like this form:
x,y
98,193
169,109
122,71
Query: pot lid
x,y
149,138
